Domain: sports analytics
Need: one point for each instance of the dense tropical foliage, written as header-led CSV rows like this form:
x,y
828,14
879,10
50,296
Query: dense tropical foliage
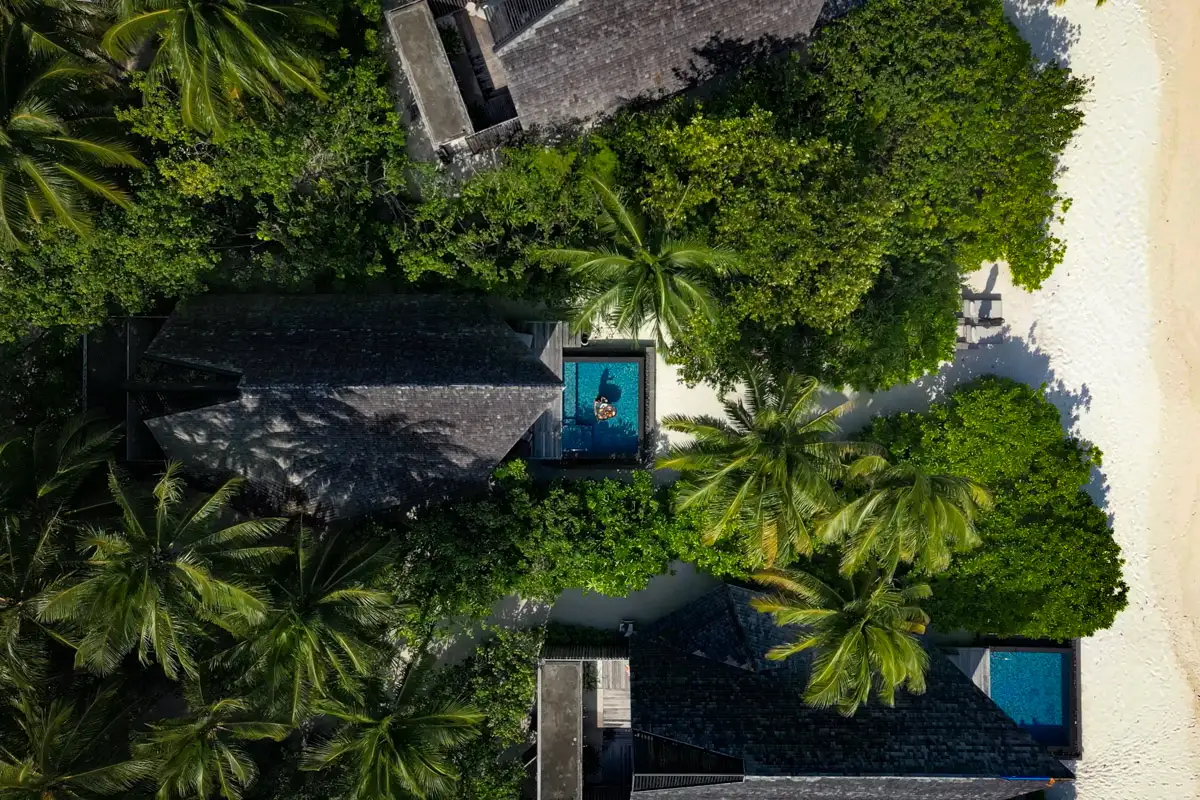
x,y
855,187
158,641
1048,566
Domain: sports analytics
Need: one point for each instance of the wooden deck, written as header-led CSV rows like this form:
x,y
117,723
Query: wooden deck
x,y
549,338
613,688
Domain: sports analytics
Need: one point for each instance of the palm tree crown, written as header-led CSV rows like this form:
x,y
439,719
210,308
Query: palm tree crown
x,y
51,145
907,516
53,27
863,637
643,277
766,470
218,50
67,752
401,747
40,476
150,583
199,755
329,613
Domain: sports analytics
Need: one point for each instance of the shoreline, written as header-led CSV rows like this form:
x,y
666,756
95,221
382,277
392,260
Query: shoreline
x,y
1175,286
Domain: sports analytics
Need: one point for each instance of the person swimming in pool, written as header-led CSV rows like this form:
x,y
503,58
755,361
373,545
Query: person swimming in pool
x,y
603,409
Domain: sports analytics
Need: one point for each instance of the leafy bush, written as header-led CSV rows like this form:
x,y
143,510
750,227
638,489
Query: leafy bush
x,y
1049,566
918,139
479,233
536,540
295,197
945,97
499,679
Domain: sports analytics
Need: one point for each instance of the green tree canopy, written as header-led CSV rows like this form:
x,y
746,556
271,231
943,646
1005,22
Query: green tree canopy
x,y
915,140
53,143
200,756
862,634
536,540
41,473
152,581
217,51
329,614
67,750
765,472
642,277
905,516
401,745
1048,566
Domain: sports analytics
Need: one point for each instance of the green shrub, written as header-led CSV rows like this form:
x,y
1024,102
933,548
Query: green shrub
x,y
537,540
917,139
499,679
1048,566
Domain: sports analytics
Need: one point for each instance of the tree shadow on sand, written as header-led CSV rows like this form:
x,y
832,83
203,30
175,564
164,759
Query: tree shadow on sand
x,y
1017,356
1050,35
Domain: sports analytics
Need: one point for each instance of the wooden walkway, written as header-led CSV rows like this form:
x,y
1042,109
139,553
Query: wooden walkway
x,y
613,688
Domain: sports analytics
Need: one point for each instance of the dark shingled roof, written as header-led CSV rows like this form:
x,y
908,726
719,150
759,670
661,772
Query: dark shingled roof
x,y
697,677
354,403
587,57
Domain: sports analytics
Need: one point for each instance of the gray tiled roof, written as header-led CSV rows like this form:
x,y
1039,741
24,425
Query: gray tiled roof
x,y
589,56
695,678
353,404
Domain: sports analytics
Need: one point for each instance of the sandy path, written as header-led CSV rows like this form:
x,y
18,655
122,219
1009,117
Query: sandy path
x,y
1175,280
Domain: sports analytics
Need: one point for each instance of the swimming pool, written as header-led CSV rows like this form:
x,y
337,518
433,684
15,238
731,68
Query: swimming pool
x,y
1032,688
619,382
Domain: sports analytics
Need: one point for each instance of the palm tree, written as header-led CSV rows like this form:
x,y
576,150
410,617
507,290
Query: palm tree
x,y
67,752
399,748
219,50
328,614
53,27
766,470
643,277
40,477
51,142
907,516
863,637
199,756
149,584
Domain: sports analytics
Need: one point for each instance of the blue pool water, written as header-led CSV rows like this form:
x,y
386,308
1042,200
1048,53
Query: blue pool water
x,y
620,383
1031,687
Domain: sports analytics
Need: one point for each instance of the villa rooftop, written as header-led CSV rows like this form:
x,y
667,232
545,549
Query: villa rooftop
x,y
710,717
349,403
538,63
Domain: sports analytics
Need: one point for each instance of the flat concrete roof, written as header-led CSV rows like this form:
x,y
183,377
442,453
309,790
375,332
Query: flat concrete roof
x,y
560,728
419,45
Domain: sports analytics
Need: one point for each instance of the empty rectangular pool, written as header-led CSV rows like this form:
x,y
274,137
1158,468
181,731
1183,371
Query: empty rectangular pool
x,y
590,385
1033,688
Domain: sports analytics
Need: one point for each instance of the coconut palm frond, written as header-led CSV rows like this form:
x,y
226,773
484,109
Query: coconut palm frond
x,y
861,636
766,470
153,581
907,516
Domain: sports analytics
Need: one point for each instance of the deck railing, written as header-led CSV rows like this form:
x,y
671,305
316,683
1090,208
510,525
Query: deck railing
x,y
509,18
491,138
